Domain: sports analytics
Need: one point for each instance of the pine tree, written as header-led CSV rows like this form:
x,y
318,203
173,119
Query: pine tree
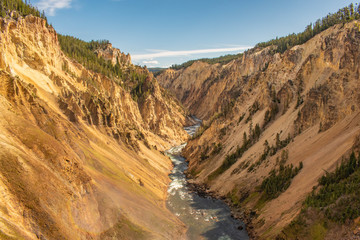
x,y
245,139
278,142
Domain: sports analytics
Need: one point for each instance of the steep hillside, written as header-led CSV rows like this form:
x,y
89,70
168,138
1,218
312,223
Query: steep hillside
x,y
274,123
78,156
206,89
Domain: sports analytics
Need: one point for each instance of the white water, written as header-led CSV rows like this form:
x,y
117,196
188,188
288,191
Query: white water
x,y
206,218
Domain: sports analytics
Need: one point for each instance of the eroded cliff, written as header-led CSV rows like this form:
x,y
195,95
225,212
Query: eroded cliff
x,y
78,158
266,112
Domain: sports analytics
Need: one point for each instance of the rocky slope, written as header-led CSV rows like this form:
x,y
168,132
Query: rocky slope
x,y
266,110
205,89
77,153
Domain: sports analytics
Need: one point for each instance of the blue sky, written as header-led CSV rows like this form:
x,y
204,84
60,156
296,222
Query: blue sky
x,y
159,33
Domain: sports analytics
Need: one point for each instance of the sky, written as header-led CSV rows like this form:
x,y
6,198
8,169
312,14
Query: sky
x,y
159,33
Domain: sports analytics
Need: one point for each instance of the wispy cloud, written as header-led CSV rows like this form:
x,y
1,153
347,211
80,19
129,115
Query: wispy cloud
x,y
165,53
50,6
151,62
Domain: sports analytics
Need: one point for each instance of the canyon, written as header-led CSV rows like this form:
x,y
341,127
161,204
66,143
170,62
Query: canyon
x,y
85,137
268,110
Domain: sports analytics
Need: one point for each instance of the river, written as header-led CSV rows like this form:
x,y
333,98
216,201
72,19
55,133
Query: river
x,y
206,218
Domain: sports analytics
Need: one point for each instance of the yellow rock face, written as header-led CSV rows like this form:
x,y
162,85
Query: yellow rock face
x,y
73,152
315,87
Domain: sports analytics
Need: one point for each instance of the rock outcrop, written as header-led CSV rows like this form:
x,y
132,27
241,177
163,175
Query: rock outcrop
x,y
108,52
77,153
304,102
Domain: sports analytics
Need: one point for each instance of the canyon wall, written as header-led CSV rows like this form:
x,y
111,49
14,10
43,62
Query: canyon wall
x,y
79,157
300,108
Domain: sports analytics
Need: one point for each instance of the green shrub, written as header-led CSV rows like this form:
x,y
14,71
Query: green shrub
x,y
132,78
222,60
232,158
21,7
344,15
339,194
270,114
334,204
279,180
